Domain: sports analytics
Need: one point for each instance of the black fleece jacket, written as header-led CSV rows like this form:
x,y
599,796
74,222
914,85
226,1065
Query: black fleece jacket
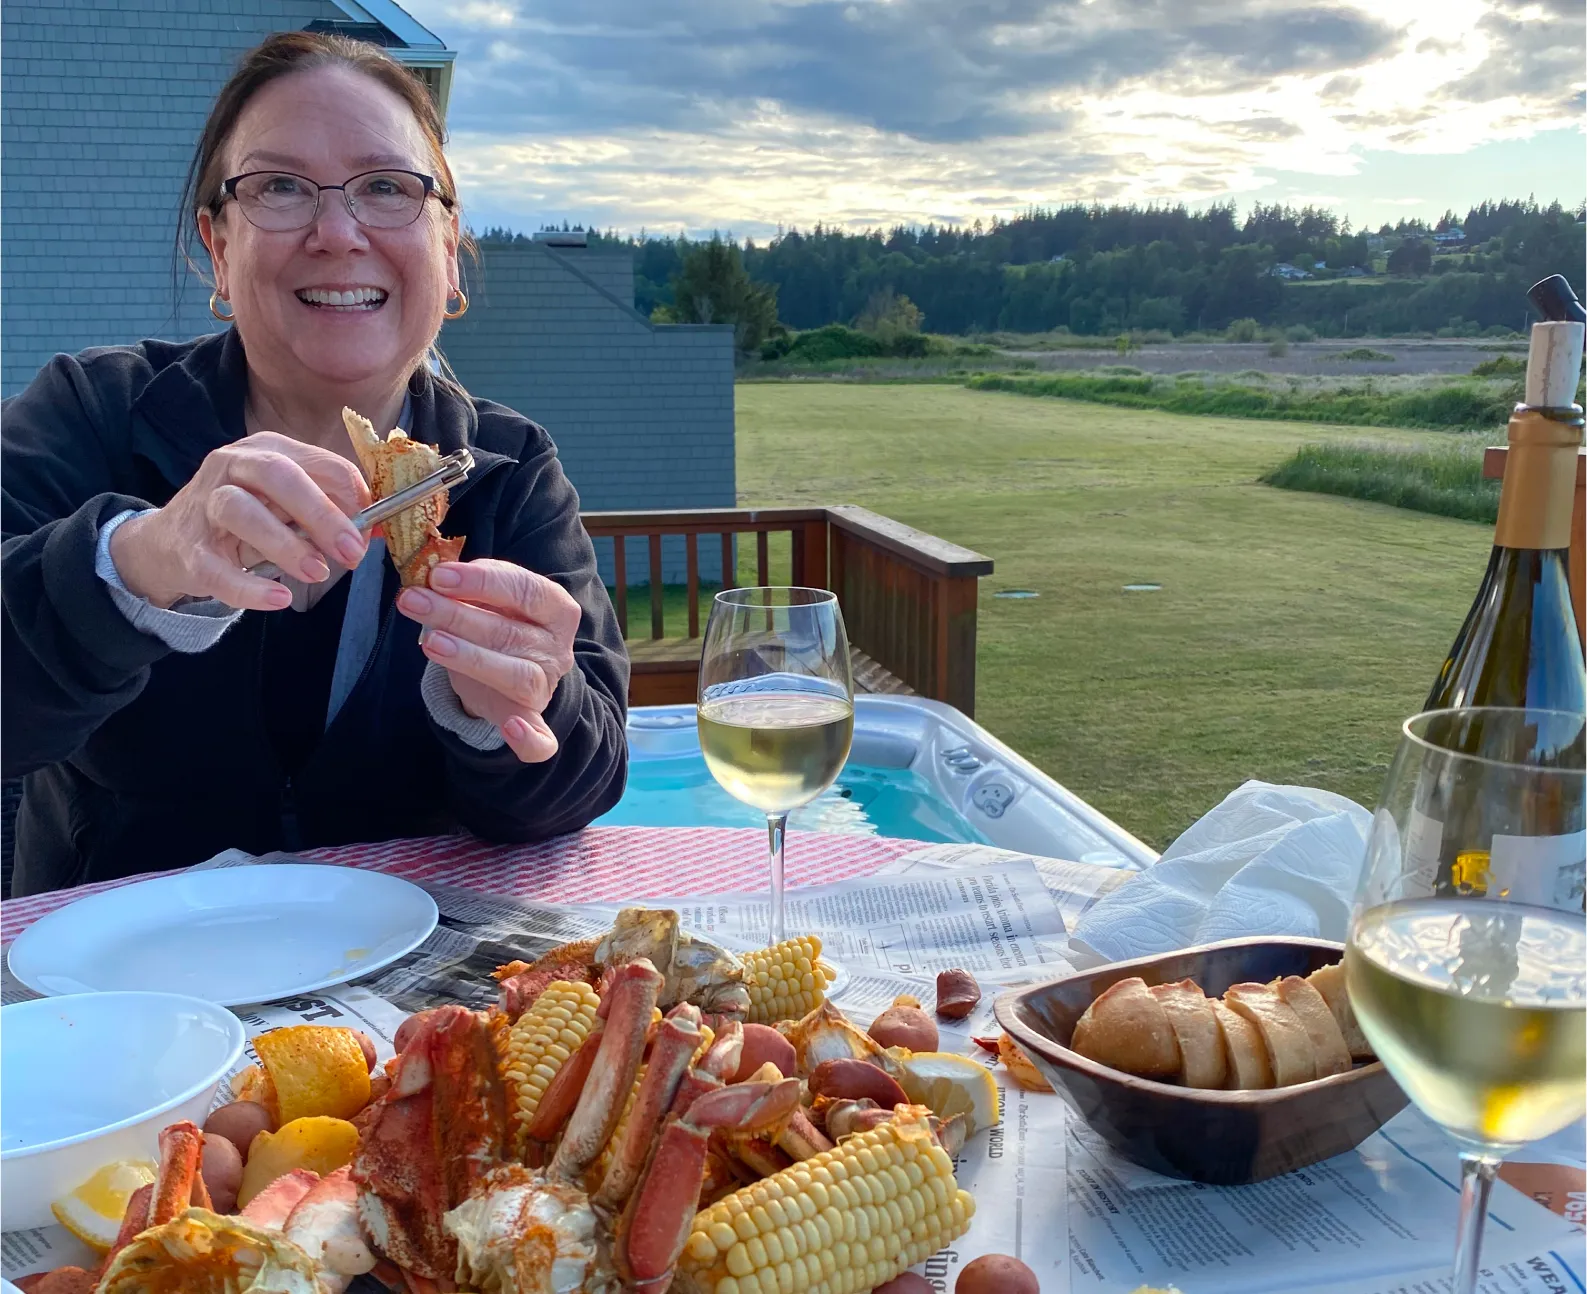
x,y
138,758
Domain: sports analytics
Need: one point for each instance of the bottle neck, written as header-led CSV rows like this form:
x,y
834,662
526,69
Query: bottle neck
x,y
1539,481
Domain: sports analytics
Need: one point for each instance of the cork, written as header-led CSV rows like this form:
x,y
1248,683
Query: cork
x,y
1553,365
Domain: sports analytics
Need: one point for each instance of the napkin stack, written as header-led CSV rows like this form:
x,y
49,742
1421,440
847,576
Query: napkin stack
x,y
1269,860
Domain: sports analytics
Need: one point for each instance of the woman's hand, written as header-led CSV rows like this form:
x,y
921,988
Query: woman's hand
x,y
234,513
505,636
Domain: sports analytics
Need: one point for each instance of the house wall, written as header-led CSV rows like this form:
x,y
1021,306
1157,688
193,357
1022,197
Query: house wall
x,y
103,102
642,415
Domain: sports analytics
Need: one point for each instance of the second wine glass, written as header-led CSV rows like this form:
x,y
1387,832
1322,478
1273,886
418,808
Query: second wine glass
x,y
776,709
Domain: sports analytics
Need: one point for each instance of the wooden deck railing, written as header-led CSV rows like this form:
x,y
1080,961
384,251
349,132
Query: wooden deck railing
x,y
908,598
1493,468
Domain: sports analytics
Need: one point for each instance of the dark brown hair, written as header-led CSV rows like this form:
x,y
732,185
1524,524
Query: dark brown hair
x,y
282,54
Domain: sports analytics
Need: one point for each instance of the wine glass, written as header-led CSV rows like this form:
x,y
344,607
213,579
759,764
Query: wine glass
x,y
776,706
1467,956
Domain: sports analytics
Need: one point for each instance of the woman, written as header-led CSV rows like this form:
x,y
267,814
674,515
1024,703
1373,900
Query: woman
x,y
164,703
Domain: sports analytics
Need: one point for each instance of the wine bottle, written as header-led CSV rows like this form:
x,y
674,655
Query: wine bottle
x,y
1519,645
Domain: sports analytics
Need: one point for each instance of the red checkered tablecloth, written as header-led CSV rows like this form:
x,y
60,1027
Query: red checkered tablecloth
x,y
599,864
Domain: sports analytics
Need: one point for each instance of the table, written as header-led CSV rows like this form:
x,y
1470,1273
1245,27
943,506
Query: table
x,y
598,864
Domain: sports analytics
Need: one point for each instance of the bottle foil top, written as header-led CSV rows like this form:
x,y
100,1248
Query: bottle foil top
x,y
1553,365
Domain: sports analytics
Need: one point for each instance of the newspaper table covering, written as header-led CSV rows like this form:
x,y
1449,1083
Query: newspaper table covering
x,y
1378,1220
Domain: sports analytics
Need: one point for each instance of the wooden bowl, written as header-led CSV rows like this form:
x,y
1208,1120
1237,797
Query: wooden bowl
x,y
1225,1138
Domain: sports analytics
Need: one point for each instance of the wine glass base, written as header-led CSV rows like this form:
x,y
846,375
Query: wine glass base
x,y
840,976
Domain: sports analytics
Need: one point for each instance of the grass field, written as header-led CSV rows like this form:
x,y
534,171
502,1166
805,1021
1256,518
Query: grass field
x,y
1292,633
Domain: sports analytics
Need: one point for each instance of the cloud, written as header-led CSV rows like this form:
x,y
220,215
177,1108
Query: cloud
x,y
750,114
940,70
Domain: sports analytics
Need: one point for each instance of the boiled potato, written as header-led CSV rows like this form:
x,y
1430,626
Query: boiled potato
x,y
762,1043
239,1123
996,1274
221,1169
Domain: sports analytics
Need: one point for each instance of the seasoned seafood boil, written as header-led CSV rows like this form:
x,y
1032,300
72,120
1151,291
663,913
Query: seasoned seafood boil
x,y
637,1114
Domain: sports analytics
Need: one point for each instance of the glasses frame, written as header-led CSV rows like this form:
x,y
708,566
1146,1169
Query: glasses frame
x,y
228,189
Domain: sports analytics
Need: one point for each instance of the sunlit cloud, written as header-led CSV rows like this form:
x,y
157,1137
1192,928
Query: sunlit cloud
x,y
754,114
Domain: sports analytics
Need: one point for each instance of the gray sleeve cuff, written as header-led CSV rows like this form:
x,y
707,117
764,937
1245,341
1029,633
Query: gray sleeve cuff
x,y
197,627
440,699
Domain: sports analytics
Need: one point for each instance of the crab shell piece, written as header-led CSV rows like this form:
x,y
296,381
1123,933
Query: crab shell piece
x,y
693,969
199,1252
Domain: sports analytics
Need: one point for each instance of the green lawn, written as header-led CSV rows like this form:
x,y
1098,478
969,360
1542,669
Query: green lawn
x,y
1293,631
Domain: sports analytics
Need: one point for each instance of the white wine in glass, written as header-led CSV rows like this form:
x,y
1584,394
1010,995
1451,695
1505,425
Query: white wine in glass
x,y
776,710
1467,955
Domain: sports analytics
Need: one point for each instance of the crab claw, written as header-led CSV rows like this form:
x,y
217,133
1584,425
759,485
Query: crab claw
x,y
655,1225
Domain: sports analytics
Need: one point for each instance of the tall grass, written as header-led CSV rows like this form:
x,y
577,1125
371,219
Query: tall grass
x,y
1442,478
1442,404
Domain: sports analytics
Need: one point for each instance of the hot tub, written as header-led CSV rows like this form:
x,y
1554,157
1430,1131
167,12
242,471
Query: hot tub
x,y
918,769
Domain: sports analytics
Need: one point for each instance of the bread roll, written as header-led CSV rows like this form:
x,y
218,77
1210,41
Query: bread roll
x,y
1202,1059
1330,982
1249,1067
1329,1053
1127,1028
1289,1047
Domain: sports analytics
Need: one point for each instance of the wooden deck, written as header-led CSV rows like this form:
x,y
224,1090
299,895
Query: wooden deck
x,y
909,599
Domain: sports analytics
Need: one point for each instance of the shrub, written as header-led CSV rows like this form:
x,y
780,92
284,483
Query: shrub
x,y
1242,330
1500,366
1278,348
1443,479
834,341
1299,333
1366,354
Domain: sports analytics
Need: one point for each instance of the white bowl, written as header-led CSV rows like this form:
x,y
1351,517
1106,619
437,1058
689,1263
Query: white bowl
x,y
92,1078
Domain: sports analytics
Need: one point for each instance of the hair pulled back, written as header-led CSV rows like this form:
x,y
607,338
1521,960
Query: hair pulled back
x,y
282,54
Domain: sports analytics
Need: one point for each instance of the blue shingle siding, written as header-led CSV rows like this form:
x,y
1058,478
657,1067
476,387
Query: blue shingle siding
x,y
642,415
101,109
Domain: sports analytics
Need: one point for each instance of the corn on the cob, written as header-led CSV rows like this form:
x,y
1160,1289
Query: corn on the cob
x,y
843,1222
604,1160
540,1043
785,981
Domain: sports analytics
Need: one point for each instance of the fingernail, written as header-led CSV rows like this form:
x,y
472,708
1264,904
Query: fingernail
x,y
314,570
442,644
515,729
350,548
280,596
443,577
417,601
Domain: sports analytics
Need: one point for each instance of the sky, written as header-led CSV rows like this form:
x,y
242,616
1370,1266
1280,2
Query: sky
x,y
747,116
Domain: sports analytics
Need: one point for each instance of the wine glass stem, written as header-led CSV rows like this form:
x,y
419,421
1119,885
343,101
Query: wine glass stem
x,y
1476,1181
776,828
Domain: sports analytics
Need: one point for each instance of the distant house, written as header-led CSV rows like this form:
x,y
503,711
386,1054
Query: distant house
x,y
103,103
1454,236
1284,270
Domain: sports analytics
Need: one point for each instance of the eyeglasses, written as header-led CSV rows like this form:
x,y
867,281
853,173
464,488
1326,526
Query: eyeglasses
x,y
280,201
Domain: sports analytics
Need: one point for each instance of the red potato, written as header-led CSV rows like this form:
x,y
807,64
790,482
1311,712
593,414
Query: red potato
x,y
905,1025
404,1034
908,1283
856,1080
368,1044
996,1274
762,1043
239,1123
957,994
221,1169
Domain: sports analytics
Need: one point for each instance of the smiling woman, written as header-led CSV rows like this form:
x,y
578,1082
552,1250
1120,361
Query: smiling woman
x,y
163,701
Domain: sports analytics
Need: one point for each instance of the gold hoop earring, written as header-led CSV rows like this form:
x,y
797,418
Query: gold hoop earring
x,y
462,306
213,298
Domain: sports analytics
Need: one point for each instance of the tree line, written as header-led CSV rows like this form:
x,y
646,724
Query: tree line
x,y
1110,269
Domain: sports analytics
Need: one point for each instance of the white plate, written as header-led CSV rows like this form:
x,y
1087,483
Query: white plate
x,y
233,936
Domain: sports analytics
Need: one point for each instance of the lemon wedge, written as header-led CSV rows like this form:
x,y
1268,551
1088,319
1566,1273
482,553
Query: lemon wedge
x,y
93,1211
950,1085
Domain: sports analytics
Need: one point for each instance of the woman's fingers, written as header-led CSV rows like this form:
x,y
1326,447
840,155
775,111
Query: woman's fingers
x,y
524,682
525,730
279,479
215,577
512,588
242,514
341,480
486,627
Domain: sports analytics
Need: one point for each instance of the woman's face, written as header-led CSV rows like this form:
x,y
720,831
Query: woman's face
x,y
329,125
